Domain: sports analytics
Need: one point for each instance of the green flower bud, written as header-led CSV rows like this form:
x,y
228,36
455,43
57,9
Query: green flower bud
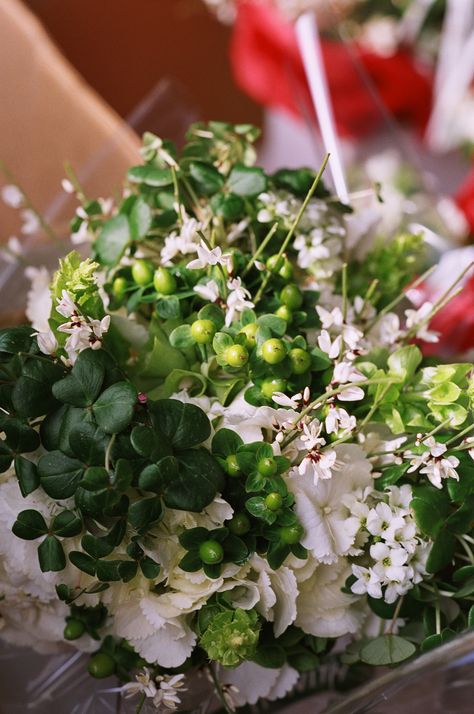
x,y
231,637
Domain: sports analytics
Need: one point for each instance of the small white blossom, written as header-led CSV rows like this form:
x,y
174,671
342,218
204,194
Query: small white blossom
x,y
338,419
31,222
416,320
382,521
367,582
13,251
237,300
67,186
208,291
390,562
331,318
46,342
12,196
209,256
143,684
330,347
433,463
284,401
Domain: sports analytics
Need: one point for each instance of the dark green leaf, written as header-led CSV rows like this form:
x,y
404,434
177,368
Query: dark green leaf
x,y
29,525
83,561
247,181
430,507
97,547
16,339
191,562
140,219
6,457
199,479
27,474
184,425
149,443
272,656
226,442
156,477
112,240
206,178
51,555
149,568
66,524
114,408
145,513
441,552
82,386
168,308
20,437
193,537
89,443
181,337
59,475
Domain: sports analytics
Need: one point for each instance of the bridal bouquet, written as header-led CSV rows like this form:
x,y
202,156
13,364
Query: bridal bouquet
x,y
222,448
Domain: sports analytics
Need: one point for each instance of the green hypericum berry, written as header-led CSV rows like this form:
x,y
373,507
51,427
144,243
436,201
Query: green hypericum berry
x,y
164,281
291,297
250,332
232,466
142,272
73,630
231,637
291,534
300,360
286,271
274,501
273,351
203,331
211,552
275,263
240,524
236,355
267,467
270,386
101,665
119,287
284,312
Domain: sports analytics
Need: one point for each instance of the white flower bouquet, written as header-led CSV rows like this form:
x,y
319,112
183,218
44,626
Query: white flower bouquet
x,y
222,448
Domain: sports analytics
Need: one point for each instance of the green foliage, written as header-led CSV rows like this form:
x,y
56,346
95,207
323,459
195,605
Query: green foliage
x,y
231,637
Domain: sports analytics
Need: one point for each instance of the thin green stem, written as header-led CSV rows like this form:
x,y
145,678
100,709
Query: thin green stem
x,y
368,295
108,452
179,206
260,248
460,435
400,297
72,176
218,689
140,703
344,292
395,614
294,226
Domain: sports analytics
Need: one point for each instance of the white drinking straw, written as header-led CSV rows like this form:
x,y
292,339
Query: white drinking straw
x,y
307,34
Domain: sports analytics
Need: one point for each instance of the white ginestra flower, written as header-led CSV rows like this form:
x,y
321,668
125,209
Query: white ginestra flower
x,y
12,251
345,372
318,464
66,306
12,196
382,521
367,582
310,438
390,562
387,329
331,348
400,497
46,342
331,318
208,291
438,469
143,684
237,300
100,327
364,309
67,186
82,235
210,256
351,336
470,440
415,319
283,400
31,221
237,229
338,419
167,692
182,243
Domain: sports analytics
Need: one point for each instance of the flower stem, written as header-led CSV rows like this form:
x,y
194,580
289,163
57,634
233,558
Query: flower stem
x,y
260,248
218,689
140,703
293,228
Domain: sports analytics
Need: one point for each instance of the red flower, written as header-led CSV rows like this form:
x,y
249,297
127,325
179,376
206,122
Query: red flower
x,y
465,199
267,65
455,324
